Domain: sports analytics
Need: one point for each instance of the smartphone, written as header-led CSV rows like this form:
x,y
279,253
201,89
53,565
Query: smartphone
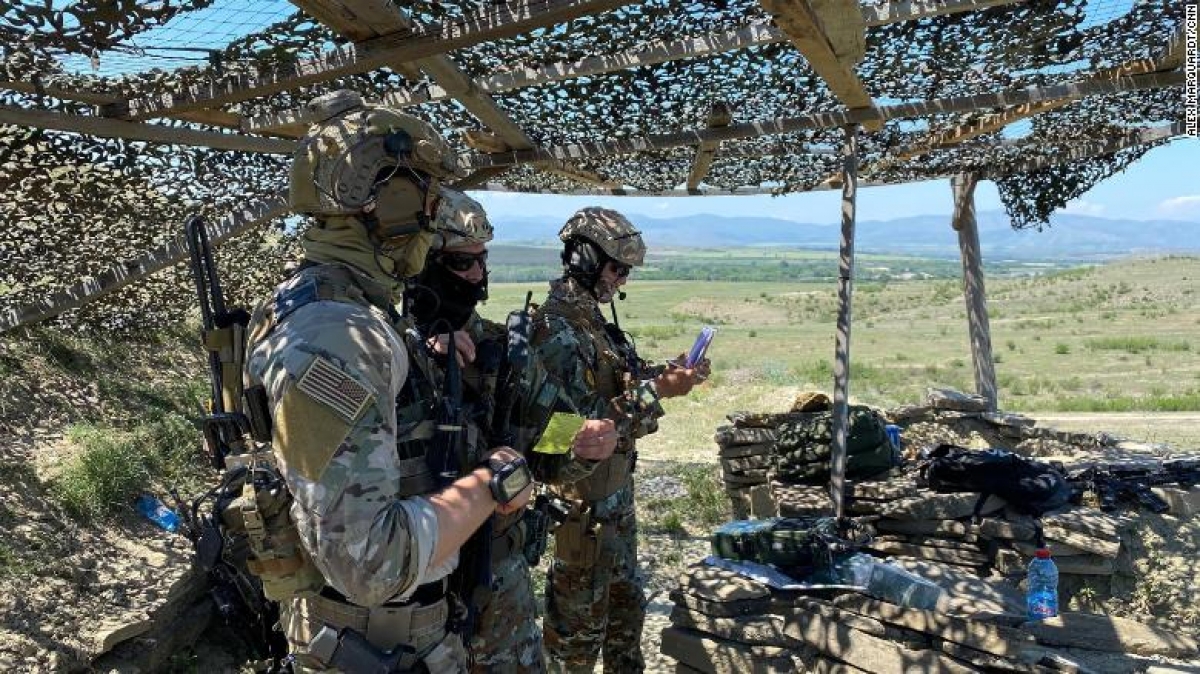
x,y
700,347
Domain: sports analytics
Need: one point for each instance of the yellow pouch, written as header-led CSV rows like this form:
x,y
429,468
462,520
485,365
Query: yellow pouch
x,y
560,433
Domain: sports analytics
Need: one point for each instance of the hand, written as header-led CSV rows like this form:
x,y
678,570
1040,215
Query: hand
x,y
465,351
676,380
521,499
596,440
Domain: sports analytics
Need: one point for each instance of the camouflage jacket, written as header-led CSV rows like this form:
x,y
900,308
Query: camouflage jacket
x,y
600,373
326,348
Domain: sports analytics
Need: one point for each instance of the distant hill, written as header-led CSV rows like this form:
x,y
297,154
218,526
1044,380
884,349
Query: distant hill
x,y
1069,236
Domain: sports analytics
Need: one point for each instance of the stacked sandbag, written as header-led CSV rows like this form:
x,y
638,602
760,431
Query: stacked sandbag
x,y
724,623
746,460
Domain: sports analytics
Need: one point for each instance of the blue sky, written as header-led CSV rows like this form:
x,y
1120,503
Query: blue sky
x,y
1164,184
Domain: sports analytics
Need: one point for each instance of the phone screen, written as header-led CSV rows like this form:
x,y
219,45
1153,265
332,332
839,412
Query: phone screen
x,y
700,347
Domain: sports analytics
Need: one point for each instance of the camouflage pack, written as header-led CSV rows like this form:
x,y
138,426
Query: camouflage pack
x,y
785,542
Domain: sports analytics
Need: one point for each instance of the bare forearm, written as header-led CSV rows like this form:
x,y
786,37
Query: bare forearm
x,y
461,508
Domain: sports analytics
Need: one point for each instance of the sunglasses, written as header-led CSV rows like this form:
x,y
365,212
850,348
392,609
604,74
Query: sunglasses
x,y
463,261
621,270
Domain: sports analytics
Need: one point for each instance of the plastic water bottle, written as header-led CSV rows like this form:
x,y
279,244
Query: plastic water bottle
x,y
1042,599
156,511
893,434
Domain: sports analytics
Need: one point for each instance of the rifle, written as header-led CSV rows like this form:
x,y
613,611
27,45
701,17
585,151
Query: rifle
x,y
473,577
1130,483
237,595
223,335
513,398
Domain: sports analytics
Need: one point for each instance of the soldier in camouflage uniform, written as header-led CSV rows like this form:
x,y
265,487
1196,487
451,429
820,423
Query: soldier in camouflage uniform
x,y
594,597
376,534
441,300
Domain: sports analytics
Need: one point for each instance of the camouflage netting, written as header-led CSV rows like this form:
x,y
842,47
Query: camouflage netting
x,y
76,206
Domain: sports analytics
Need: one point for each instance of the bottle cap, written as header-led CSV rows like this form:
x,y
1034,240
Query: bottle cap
x,y
1042,553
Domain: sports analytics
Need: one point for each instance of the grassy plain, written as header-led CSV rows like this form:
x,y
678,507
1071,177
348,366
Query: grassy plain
x,y
1118,337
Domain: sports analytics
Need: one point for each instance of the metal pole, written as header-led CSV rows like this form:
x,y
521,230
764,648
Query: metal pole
x,y
841,363
974,294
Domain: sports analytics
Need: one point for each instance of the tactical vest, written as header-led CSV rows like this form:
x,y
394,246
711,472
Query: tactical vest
x,y
611,373
416,407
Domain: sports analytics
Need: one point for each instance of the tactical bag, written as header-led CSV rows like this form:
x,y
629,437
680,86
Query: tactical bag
x,y
791,543
1028,486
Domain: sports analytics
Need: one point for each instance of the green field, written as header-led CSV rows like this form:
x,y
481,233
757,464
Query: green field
x,y
1120,337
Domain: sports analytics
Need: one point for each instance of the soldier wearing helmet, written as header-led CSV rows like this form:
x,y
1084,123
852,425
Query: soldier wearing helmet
x,y
594,599
372,532
441,301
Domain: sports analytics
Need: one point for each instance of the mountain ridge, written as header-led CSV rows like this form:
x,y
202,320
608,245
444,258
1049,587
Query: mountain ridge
x,y
1068,235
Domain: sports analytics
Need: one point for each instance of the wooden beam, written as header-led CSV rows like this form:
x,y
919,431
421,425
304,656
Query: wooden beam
x,y
841,353
115,128
825,120
1087,150
210,117
831,35
895,12
678,193
720,115
652,53
1072,152
496,22
152,261
974,293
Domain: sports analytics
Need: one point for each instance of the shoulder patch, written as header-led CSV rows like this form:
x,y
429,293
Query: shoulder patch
x,y
325,383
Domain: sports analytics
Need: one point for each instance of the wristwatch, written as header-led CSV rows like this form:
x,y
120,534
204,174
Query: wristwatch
x,y
509,478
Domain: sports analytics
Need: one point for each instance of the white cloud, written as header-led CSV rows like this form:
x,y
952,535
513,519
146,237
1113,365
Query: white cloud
x,y
1179,206
1083,207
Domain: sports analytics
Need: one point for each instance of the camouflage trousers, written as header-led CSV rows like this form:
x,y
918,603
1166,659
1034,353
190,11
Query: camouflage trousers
x,y
506,637
594,596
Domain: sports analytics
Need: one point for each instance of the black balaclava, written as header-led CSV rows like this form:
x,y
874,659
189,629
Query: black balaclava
x,y
443,299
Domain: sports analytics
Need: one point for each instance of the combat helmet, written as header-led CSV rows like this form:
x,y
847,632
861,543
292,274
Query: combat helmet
x,y
459,221
610,231
345,166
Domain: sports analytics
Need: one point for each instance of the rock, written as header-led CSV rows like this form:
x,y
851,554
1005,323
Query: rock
x,y
109,634
1110,634
719,656
1182,502
949,399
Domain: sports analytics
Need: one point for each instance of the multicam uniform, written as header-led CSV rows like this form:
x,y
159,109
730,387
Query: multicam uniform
x,y
326,348
594,595
351,556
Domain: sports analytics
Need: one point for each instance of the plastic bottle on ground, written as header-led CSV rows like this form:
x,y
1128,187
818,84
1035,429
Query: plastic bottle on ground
x,y
1042,581
156,511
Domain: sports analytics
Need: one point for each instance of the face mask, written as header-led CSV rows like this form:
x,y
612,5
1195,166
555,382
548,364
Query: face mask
x,y
443,299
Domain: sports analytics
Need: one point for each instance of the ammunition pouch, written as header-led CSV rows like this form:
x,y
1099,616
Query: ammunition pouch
x,y
229,346
609,476
511,540
262,515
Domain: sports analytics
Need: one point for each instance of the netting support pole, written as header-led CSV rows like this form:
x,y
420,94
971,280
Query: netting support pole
x,y
964,223
841,361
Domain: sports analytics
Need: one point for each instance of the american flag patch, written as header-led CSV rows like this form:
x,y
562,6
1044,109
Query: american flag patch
x,y
328,385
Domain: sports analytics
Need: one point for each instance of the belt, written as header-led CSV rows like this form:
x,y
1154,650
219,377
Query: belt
x,y
426,594
386,626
